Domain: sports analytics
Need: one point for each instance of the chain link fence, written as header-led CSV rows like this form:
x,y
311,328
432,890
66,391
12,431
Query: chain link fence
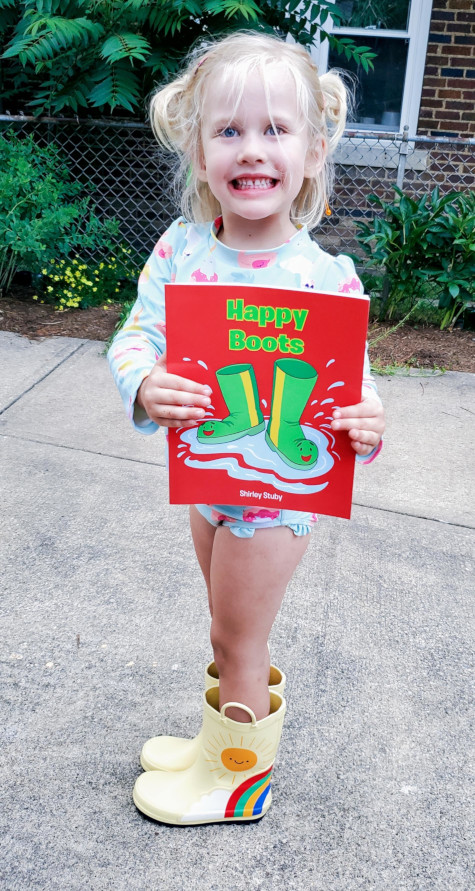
x,y
131,180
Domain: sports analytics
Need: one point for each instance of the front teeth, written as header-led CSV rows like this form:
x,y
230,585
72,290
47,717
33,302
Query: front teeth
x,y
253,183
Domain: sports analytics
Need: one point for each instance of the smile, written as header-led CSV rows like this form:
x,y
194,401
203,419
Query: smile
x,y
258,184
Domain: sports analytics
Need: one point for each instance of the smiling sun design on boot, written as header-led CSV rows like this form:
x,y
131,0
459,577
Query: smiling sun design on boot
x,y
239,768
236,759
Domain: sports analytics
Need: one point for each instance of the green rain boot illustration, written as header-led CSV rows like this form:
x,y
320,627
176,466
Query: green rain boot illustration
x,y
294,381
239,388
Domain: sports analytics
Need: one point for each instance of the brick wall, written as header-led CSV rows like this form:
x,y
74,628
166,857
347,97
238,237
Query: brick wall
x,y
448,94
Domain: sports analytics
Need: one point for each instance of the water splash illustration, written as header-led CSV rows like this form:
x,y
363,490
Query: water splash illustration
x,y
249,458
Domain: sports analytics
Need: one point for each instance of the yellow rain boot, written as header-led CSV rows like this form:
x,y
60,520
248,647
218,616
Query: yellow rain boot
x,y
231,777
176,753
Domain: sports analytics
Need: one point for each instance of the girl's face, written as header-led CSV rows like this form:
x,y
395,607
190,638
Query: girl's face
x,y
255,157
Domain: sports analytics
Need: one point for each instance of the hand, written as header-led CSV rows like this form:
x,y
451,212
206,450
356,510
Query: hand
x,y
170,400
364,422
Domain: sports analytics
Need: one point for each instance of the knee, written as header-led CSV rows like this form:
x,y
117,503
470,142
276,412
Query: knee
x,y
231,649
222,643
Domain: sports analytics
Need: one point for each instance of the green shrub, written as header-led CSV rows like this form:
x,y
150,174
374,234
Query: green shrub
x,y
101,56
425,250
42,217
75,284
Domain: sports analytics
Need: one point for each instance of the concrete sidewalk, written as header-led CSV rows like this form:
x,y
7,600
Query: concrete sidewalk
x,y
105,637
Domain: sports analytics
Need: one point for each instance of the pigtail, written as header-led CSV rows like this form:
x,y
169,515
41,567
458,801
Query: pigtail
x,y
166,115
335,106
175,112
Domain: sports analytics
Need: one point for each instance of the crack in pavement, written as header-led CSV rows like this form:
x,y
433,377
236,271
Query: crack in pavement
x,y
57,445
41,379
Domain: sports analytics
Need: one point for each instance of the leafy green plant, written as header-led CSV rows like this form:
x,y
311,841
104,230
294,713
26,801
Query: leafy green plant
x,y
453,249
42,216
75,284
124,314
374,13
108,55
422,246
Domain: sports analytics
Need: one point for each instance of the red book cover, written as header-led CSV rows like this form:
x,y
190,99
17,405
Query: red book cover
x,y
278,362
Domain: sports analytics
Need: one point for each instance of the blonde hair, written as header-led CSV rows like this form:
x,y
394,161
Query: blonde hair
x,y
176,115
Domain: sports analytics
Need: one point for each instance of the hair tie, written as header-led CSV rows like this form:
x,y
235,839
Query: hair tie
x,y
195,72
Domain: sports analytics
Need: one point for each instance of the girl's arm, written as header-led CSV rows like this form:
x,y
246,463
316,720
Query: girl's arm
x,y
137,354
364,421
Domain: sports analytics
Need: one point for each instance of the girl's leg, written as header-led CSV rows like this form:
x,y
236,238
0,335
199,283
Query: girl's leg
x,y
203,533
248,579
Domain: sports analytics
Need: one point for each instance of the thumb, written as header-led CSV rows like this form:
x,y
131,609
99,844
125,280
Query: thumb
x,y
162,361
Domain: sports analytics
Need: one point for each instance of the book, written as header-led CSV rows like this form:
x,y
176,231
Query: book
x,y
278,361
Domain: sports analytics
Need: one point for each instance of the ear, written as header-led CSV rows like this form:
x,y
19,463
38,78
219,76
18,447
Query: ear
x,y
200,169
315,159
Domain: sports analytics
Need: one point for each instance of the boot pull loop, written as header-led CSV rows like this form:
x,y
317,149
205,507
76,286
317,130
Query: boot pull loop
x,y
241,706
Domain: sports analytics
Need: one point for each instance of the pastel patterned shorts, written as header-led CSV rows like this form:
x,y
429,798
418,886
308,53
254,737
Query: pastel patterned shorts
x,y
243,521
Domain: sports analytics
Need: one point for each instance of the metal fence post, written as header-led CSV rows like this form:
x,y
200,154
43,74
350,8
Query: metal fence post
x,y
403,150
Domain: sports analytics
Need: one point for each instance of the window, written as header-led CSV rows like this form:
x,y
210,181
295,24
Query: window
x,y
387,98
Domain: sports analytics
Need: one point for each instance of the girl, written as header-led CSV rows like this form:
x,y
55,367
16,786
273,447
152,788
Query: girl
x,y
254,127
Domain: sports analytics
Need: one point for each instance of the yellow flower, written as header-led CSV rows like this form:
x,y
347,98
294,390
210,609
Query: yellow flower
x,y
50,288
35,296
44,272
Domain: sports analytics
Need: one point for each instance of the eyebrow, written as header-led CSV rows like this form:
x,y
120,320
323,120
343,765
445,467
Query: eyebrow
x,y
222,123
276,118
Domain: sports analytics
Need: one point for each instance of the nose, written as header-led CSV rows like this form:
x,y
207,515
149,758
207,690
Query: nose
x,y
252,148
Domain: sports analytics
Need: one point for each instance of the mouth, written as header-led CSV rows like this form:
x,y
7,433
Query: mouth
x,y
258,183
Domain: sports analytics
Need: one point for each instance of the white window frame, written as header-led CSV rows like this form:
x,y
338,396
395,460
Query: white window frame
x,y
417,34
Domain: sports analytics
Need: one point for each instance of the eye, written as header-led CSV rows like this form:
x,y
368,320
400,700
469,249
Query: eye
x,y
274,130
228,132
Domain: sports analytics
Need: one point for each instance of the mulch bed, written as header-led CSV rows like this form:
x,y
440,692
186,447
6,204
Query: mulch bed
x,y
424,347
421,347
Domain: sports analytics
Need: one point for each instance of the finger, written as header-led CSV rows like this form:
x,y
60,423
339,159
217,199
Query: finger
x,y
180,413
368,408
361,448
175,382
178,397
365,438
357,423
169,422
